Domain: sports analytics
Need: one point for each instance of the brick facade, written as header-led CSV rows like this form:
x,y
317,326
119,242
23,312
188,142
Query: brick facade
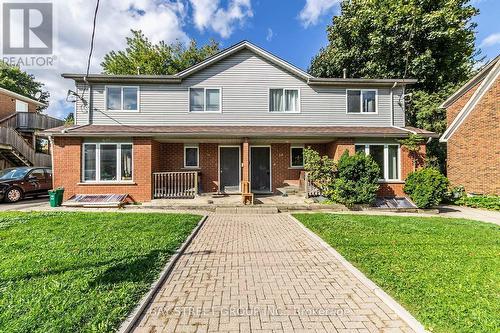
x,y
8,105
152,156
474,149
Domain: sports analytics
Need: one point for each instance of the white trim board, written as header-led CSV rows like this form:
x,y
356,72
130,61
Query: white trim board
x,y
488,81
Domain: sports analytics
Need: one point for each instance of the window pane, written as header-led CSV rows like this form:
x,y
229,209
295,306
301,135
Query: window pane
x,y
114,98
353,101
89,162
297,156
196,99
291,100
126,162
393,162
108,162
377,153
359,148
276,100
369,101
213,99
191,157
129,98
38,174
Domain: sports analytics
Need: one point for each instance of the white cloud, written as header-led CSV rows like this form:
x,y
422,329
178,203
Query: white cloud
x,y
207,14
314,9
491,40
270,34
158,21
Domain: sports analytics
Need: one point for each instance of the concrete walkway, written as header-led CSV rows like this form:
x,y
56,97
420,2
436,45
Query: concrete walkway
x,y
264,273
470,213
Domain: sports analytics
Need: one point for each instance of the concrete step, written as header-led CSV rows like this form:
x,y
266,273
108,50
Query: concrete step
x,y
247,210
290,189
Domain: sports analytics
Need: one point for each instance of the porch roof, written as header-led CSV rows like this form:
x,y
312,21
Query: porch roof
x,y
235,131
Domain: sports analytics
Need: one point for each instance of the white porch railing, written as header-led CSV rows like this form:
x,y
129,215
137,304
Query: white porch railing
x,y
310,189
175,185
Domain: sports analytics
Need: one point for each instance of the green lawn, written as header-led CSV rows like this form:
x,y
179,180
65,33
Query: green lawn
x,y
81,272
446,272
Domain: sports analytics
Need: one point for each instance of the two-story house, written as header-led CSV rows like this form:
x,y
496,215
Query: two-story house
x,y
242,115
20,124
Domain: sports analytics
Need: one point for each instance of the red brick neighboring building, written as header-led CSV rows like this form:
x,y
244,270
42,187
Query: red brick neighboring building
x,y
473,133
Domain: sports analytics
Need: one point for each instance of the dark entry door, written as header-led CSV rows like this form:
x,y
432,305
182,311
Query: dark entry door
x,y
260,169
229,171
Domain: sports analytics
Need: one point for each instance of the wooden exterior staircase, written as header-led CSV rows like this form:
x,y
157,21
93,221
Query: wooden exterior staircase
x,y
15,149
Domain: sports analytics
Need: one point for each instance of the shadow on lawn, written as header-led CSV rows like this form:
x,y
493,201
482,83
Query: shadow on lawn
x,y
129,268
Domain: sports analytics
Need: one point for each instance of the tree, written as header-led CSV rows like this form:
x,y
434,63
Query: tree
x,y
70,119
14,79
141,56
430,40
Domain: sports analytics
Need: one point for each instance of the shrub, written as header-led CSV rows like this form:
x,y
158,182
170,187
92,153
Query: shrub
x,y
480,201
427,187
356,181
320,169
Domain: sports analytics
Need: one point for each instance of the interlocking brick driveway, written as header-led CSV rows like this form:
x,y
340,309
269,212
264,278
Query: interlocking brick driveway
x,y
263,273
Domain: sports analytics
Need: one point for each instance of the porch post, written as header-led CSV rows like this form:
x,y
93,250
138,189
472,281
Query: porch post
x,y
245,167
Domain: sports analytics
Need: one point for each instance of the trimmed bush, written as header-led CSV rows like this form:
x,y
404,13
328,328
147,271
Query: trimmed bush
x,y
356,181
480,201
321,169
426,187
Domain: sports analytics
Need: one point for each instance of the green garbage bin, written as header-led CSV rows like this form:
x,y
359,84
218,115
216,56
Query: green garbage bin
x,y
53,198
60,195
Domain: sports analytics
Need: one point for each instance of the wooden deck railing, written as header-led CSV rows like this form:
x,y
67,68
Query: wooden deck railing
x,y
30,121
10,137
310,189
175,185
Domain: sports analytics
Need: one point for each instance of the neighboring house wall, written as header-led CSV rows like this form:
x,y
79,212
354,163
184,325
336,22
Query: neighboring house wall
x,y
474,149
244,79
8,105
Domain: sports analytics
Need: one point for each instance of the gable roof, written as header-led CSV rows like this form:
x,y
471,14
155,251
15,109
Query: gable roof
x,y
471,83
177,78
20,97
488,75
238,47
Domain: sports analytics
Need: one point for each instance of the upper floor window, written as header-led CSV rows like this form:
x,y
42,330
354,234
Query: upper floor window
x,y
107,162
361,101
284,100
205,100
21,106
122,98
386,156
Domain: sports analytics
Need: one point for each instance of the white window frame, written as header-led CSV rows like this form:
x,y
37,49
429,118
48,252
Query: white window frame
x,y
360,101
24,104
205,99
386,159
296,166
284,89
121,102
197,166
98,163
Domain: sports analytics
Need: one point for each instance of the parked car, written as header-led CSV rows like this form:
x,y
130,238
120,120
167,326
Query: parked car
x,y
20,182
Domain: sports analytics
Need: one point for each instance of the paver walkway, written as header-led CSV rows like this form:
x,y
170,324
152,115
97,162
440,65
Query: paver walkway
x,y
263,273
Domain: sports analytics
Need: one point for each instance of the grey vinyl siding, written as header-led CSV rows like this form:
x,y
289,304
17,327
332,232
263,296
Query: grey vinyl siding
x,y
244,79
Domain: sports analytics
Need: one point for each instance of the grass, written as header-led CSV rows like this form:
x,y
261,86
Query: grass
x,y
446,272
81,272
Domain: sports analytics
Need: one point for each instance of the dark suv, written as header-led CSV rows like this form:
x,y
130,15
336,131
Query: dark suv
x,y
20,182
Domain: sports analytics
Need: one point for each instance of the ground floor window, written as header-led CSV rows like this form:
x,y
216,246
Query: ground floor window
x,y
191,156
297,156
107,161
387,157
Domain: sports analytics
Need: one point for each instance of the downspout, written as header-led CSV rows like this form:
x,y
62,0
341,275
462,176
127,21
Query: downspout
x,y
392,103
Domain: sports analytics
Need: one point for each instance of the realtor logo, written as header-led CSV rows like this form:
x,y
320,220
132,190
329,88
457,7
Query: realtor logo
x,y
27,28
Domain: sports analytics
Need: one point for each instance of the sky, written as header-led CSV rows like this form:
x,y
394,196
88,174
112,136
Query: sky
x,y
294,30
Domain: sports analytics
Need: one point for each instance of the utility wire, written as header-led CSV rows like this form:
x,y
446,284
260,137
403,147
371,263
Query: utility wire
x,y
90,54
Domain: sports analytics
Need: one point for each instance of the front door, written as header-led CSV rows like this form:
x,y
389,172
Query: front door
x,y
260,164
229,169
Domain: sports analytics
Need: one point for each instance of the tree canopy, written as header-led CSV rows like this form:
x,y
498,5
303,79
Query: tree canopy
x,y
141,56
14,79
430,40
